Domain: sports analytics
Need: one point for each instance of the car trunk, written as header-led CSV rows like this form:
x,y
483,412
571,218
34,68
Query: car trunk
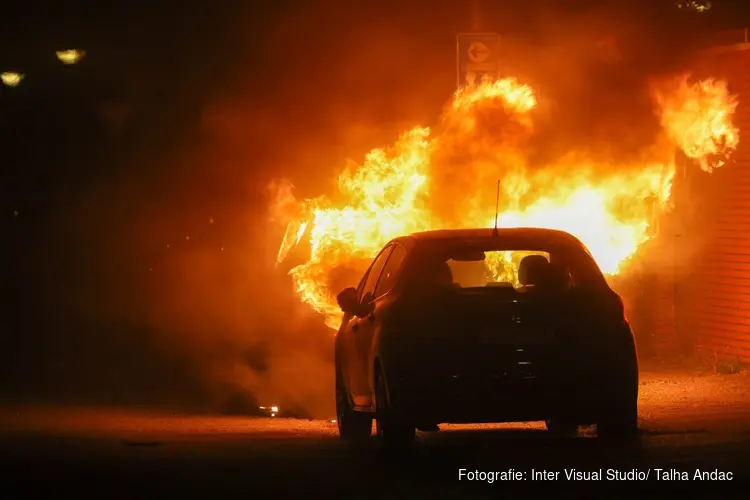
x,y
497,353
485,334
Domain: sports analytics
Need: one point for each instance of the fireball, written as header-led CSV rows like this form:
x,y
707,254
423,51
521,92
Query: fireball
x,y
446,178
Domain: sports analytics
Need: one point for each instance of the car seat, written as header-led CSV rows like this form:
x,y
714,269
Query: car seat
x,y
533,270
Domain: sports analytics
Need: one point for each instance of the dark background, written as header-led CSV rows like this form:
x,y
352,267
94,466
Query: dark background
x,y
138,258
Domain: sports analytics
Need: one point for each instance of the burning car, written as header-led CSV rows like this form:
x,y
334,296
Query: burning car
x,y
484,325
571,352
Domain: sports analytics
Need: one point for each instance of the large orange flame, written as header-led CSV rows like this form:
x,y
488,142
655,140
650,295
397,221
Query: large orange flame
x,y
447,178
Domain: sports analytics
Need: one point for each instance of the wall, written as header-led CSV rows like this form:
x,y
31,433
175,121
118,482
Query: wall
x,y
713,284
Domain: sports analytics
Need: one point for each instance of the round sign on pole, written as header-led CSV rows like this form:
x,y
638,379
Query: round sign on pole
x,y
479,52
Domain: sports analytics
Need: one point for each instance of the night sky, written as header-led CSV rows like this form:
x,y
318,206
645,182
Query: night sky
x,y
133,183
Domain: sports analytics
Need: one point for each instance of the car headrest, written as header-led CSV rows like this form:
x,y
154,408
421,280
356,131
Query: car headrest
x,y
532,269
443,276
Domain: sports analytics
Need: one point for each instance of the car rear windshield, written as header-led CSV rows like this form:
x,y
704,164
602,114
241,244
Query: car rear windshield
x,y
497,268
511,266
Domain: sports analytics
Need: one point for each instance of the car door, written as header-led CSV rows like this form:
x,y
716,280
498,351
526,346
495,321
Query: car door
x,y
351,361
368,328
345,340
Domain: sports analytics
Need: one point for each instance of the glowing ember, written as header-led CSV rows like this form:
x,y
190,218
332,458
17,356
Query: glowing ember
x,y
447,179
272,411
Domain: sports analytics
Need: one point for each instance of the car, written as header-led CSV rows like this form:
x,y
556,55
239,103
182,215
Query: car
x,y
484,326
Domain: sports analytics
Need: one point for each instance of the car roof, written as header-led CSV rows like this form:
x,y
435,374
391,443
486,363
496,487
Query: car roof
x,y
442,236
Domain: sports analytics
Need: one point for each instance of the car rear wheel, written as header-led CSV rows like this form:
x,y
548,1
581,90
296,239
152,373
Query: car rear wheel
x,y
391,430
620,420
354,426
619,427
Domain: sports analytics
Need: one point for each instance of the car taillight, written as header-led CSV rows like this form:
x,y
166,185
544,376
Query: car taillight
x,y
609,308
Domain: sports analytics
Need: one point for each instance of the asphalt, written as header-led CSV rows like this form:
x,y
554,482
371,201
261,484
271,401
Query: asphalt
x,y
120,453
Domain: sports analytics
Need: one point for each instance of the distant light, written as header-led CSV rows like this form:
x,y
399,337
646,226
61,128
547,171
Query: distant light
x,y
11,79
275,409
70,56
694,5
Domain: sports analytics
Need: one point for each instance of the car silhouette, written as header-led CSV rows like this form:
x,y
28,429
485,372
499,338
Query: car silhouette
x,y
480,326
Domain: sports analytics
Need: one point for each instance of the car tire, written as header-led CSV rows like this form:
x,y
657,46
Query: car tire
x,y
561,427
354,426
391,430
621,428
620,421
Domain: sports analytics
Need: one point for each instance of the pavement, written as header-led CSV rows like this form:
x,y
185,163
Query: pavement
x,y
695,438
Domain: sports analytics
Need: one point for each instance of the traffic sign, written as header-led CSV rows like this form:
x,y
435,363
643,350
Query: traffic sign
x,y
479,52
476,58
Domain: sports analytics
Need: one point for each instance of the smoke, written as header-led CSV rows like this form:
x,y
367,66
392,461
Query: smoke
x,y
593,73
169,262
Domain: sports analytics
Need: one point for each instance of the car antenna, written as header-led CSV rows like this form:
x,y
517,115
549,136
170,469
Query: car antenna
x,y
497,209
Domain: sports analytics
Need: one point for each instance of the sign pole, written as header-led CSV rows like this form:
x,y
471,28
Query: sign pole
x,y
458,62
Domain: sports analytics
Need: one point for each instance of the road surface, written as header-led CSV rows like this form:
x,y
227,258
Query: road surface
x,y
689,424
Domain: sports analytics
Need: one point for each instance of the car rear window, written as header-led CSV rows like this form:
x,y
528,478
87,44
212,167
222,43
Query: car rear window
x,y
493,263
499,268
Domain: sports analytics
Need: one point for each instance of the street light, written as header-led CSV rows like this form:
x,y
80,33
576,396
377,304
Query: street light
x,y
70,56
11,79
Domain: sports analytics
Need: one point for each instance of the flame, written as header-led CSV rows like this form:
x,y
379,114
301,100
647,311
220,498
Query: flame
x,y
701,126
272,410
446,179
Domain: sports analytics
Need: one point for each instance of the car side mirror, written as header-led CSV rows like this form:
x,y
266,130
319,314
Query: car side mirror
x,y
347,300
349,303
